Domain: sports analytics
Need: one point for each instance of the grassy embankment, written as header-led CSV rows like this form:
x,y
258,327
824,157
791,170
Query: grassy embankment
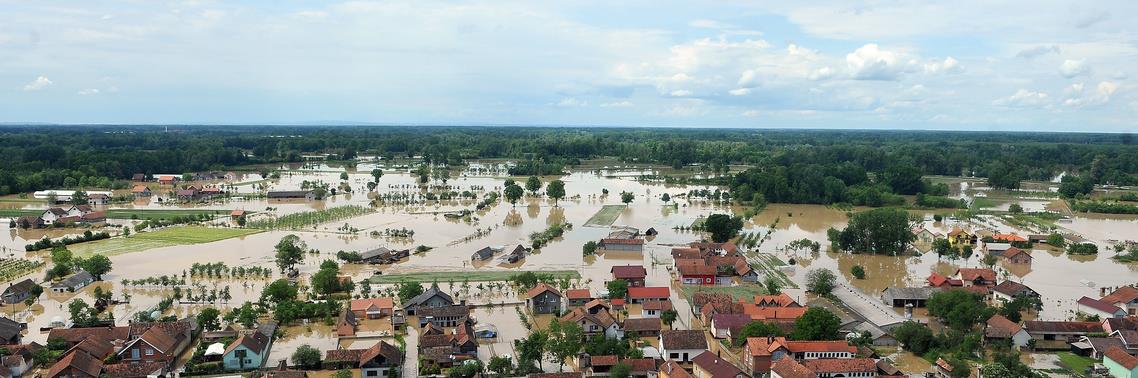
x,y
166,237
476,276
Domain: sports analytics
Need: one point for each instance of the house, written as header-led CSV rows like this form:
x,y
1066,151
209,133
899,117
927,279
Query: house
x,y
53,214
444,316
432,297
1125,297
643,327
187,194
18,292
772,314
307,195
249,351
10,331
1096,307
710,365
651,231
19,360
599,323
780,300
1095,347
578,297
789,368
236,213
877,336
646,294
632,245
482,254
724,325
695,272
624,232
937,280
679,253
761,352
996,249
672,369
383,255
1110,325
346,324
135,370
106,335
1016,256
138,177
976,277
842,367
73,283
923,235
76,365
140,191
655,309
1058,334
907,296
373,308
168,179
374,361
999,328
30,221
544,299
98,199
161,342
961,237
682,345
632,274
745,272
1119,363
1009,238
1008,291
210,192
717,249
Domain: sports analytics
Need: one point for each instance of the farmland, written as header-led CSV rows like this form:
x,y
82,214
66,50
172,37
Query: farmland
x,y
605,216
162,238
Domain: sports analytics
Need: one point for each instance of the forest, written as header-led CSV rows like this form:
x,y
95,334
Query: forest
x,y
870,167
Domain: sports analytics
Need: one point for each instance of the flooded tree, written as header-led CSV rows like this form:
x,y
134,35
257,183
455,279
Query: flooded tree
x,y
883,231
209,319
533,184
564,341
627,197
723,227
513,192
816,324
290,251
820,281
556,190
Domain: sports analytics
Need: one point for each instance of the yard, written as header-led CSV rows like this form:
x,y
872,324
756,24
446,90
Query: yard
x,y
605,216
475,276
745,292
156,239
1077,365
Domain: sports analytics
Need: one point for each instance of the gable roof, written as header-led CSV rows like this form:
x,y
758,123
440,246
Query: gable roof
x,y
601,318
578,294
972,274
381,303
622,241
699,268
75,280
20,287
139,369
663,305
10,328
628,272
649,292
1061,326
139,189
77,361
715,366
94,346
789,368
1124,294
1098,305
1011,288
839,365
382,348
254,341
683,339
1013,251
1000,327
1120,356
76,335
427,295
1009,237
674,370
542,288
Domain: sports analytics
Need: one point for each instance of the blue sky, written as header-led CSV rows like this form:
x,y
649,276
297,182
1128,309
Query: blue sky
x,y
955,65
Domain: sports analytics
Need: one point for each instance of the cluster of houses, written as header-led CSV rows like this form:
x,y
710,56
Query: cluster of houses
x,y
384,255
512,255
710,264
60,216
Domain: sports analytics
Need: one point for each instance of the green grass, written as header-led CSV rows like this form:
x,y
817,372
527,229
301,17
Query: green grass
x,y
166,237
983,203
305,219
1075,363
742,292
605,216
124,213
476,276
769,264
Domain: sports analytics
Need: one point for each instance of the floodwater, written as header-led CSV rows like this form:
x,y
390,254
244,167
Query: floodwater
x,y
1059,278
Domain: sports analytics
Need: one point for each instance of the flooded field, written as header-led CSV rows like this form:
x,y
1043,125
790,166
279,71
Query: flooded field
x,y
1061,279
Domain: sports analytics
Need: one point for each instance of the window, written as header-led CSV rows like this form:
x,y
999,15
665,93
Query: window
x,y
372,373
674,355
149,352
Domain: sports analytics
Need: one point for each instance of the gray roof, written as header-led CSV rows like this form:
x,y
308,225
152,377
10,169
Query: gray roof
x,y
483,254
24,286
9,328
430,293
374,253
909,293
77,279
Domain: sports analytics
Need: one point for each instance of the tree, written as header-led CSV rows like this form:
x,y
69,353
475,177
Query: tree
x,y
342,373
555,190
343,176
960,310
79,198
722,227
513,193
772,285
1056,240
966,251
290,251
306,357
617,288
326,281
756,329
590,248
858,272
376,174
620,370
279,291
878,231
245,315
209,319
408,289
627,197
989,260
564,341
820,281
915,337
532,348
501,365
942,247
665,197
533,184
669,316
81,313
1015,208
904,178
97,265
816,323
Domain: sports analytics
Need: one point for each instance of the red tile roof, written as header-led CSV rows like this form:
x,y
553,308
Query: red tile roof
x,y
77,361
541,288
683,339
673,370
380,303
623,241
1013,251
1009,237
628,272
1125,294
1120,356
839,365
609,360
578,294
696,270
715,366
657,305
1098,305
649,292
789,368
972,274
1000,327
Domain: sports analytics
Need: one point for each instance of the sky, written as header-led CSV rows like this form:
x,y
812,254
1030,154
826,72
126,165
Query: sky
x,y
944,65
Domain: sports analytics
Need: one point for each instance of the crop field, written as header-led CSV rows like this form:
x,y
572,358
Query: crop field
x,y
156,239
746,292
605,216
476,276
769,264
301,220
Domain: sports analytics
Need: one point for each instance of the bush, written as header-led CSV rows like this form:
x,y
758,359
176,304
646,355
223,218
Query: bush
x,y
1082,249
858,272
820,281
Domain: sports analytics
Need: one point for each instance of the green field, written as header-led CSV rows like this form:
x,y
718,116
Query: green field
x,y
1076,364
745,292
125,213
605,216
156,239
476,276
769,265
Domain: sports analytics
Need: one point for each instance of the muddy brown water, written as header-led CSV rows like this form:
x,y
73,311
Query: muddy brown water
x,y
1059,278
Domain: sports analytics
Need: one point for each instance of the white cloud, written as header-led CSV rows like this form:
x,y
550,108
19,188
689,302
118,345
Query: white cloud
x,y
680,93
1092,19
748,79
1023,98
1035,51
740,91
752,113
88,92
822,73
1078,97
37,84
617,104
949,65
571,102
871,62
1071,68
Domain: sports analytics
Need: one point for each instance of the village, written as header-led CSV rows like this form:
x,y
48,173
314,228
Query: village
x,y
581,283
